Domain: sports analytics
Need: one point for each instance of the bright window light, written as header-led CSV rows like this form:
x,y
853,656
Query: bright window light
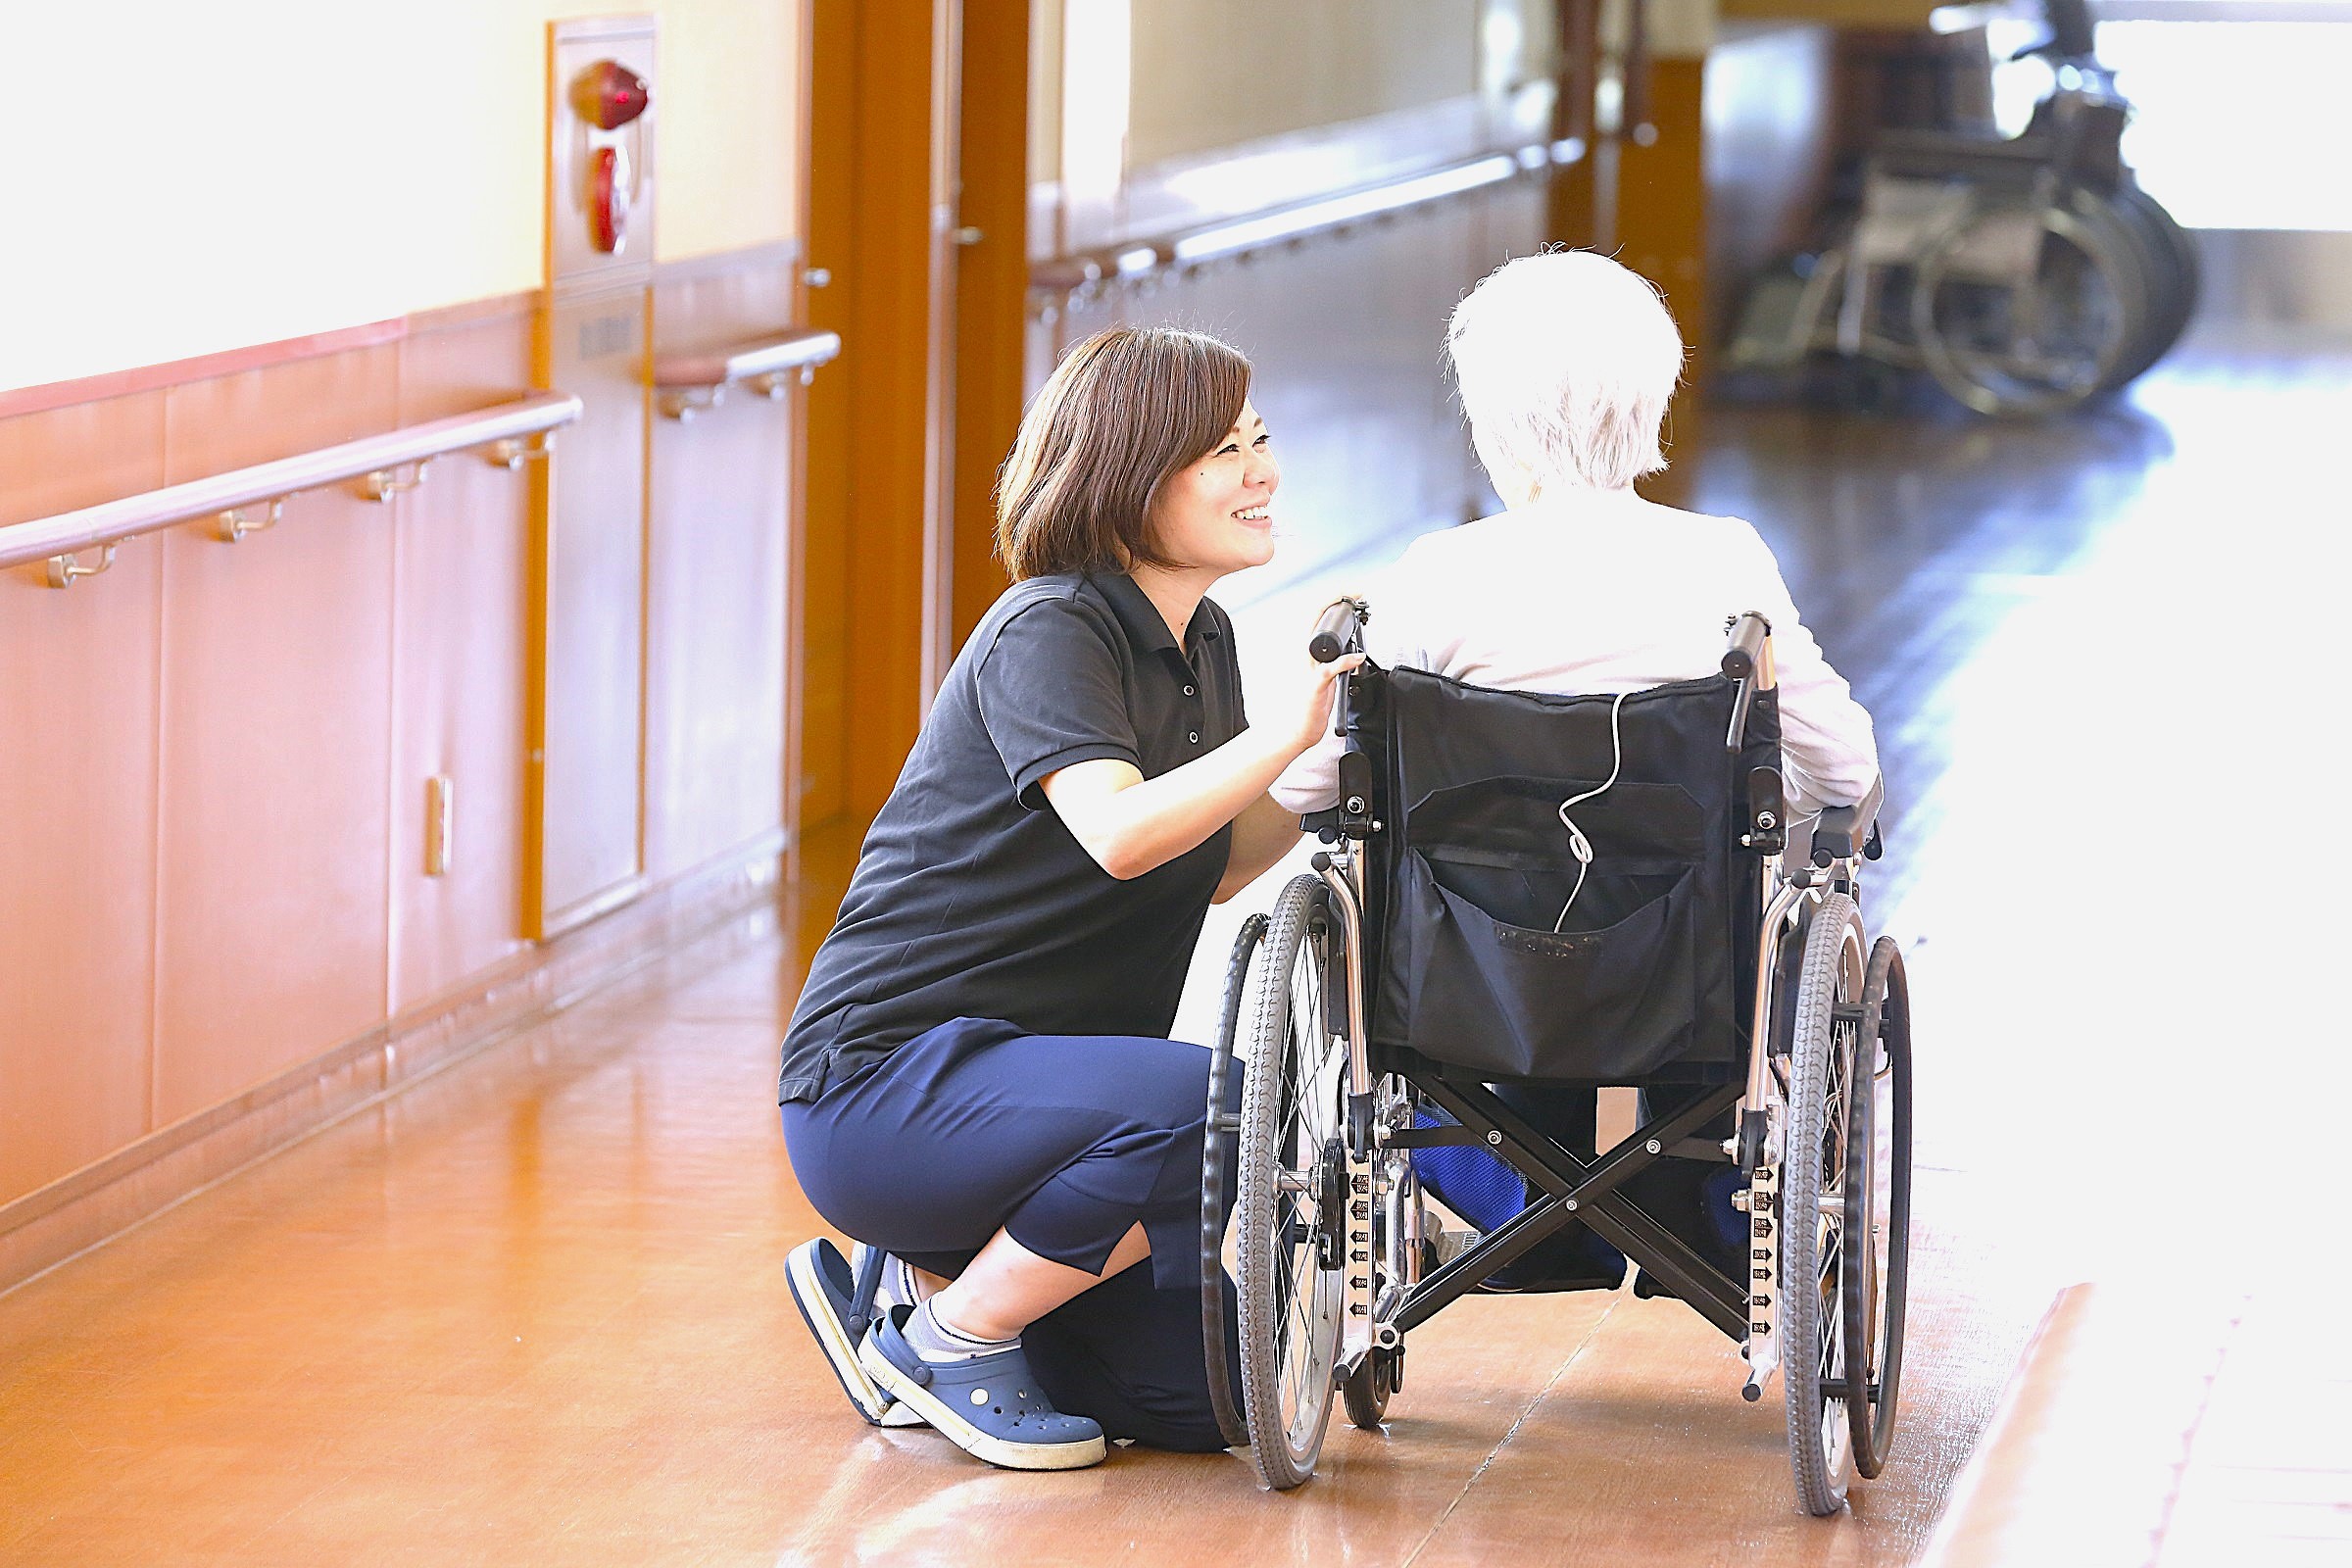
x,y
2235,118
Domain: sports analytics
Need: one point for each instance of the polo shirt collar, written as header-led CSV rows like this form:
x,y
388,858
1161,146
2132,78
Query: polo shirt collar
x,y
1146,629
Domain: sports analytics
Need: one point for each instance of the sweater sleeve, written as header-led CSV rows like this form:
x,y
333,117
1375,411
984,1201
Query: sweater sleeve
x,y
1827,744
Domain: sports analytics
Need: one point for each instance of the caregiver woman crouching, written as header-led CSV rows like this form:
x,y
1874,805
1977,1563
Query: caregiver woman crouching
x,y
977,1078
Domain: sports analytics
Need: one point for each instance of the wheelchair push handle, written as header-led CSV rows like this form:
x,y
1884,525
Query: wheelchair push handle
x,y
1748,661
1340,631
1749,632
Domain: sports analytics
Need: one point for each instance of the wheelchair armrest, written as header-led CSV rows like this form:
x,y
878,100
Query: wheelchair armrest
x,y
1848,832
1324,825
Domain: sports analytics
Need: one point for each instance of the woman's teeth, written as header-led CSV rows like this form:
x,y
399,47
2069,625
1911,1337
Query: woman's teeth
x,y
1251,515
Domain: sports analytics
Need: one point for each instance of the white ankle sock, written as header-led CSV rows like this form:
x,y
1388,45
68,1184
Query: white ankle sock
x,y
897,1285
935,1341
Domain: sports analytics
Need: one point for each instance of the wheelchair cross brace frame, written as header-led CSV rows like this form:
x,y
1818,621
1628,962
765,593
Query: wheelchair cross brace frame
x,y
1573,1189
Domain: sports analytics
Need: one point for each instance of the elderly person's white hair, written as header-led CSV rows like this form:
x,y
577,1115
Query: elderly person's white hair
x,y
1565,362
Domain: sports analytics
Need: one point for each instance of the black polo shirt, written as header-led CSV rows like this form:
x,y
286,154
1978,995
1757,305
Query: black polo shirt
x,y
971,898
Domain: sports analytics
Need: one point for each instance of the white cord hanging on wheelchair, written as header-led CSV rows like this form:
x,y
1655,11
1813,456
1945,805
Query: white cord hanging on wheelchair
x,y
1578,845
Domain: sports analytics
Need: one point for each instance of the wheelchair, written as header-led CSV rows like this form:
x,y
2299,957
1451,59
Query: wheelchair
x,y
2025,275
1522,890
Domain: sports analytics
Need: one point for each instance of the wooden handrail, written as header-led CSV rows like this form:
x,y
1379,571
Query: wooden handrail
x,y
504,430
686,383
1232,238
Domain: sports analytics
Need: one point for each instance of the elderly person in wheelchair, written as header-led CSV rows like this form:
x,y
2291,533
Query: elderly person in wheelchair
x,y
1560,804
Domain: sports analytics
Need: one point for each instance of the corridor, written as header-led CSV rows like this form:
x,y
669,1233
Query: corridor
x,y
532,1307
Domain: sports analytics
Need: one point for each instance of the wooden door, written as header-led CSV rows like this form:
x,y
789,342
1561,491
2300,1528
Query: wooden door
x,y
917,256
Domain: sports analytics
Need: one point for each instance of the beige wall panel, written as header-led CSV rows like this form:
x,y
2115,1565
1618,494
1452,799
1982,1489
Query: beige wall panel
x,y
460,670
1346,335
433,111
715,590
594,611
233,420
459,361
276,698
1209,73
78,707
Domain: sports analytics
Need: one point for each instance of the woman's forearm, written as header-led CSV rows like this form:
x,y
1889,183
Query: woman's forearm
x,y
1131,824
1264,832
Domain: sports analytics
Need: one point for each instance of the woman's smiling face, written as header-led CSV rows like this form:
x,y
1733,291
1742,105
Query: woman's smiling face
x,y
1214,514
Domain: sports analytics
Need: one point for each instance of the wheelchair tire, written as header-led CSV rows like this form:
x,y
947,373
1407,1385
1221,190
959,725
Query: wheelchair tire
x,y
1368,1388
1291,1209
1823,1049
1878,1207
1217,1153
2169,255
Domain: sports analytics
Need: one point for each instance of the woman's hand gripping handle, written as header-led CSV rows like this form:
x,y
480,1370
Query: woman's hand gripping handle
x,y
1335,648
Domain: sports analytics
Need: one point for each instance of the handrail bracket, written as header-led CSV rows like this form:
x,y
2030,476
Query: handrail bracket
x,y
682,404
512,453
236,522
382,484
64,570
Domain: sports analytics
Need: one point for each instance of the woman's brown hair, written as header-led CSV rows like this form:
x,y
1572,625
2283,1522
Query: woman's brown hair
x,y
1124,410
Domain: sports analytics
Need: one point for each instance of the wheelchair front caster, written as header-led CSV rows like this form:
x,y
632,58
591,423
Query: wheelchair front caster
x,y
1367,1389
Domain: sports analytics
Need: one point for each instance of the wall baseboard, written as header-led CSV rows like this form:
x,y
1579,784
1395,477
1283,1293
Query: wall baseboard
x,y
75,1213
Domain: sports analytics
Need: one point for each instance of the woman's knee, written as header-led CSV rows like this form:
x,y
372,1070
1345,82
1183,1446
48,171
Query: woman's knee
x,y
1172,1082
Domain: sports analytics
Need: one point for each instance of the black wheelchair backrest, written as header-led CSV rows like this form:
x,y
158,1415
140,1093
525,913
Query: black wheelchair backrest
x,y
1503,948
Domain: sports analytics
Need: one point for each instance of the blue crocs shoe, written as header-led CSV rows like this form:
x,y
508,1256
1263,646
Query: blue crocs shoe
x,y
824,1289
990,1406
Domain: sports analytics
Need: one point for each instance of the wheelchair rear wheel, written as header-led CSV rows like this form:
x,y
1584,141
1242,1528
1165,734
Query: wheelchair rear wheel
x,y
1825,1072
1878,1208
1292,1200
2022,308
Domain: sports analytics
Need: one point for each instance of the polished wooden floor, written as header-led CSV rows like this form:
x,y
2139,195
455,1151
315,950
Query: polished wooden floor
x,y
531,1311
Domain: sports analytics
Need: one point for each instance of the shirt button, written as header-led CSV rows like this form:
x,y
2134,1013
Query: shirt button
x,y
1195,737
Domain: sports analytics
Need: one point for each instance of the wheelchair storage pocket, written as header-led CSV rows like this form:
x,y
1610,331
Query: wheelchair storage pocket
x,y
1493,987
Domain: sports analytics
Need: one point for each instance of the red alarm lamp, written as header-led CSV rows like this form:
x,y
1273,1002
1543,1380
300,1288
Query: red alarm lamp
x,y
609,95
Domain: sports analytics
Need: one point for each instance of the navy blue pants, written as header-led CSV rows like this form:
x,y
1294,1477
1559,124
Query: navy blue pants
x,y
1067,1142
